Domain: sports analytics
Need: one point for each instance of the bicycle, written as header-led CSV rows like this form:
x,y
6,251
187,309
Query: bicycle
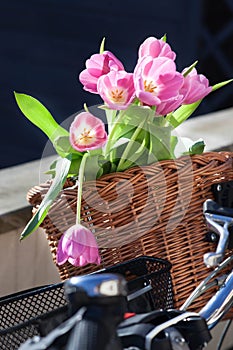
x,y
97,305
147,327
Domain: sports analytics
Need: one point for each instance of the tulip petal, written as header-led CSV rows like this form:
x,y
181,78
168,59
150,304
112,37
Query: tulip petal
x,y
195,87
61,255
156,48
116,89
78,245
87,132
97,66
156,80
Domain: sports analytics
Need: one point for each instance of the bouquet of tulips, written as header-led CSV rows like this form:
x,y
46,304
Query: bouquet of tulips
x,y
142,108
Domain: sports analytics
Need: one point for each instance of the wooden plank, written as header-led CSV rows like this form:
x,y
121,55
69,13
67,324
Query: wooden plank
x,y
25,264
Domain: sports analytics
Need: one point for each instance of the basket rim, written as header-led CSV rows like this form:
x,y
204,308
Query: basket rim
x,y
71,182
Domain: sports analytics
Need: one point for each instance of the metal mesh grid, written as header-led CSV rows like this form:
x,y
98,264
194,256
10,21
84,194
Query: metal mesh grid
x,y
21,307
22,314
153,271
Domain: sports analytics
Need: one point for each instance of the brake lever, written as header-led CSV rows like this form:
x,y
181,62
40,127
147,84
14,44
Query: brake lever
x,y
218,220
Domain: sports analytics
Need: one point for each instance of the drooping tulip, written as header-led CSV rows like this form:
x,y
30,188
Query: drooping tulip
x,y
116,89
78,245
96,66
87,132
195,87
156,80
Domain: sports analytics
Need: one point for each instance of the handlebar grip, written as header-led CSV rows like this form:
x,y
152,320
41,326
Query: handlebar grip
x,y
94,332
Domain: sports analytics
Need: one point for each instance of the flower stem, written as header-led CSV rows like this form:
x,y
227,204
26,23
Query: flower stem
x,y
80,187
126,152
111,116
114,128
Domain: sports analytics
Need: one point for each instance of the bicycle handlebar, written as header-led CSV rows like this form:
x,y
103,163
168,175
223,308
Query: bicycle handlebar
x,y
96,330
97,305
218,220
104,298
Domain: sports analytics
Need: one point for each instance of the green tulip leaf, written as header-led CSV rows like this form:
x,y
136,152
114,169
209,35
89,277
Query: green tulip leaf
x,y
102,46
40,117
197,148
219,85
190,68
62,169
182,113
63,146
164,38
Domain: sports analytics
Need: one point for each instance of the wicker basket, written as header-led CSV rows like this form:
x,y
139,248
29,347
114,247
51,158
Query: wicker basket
x,y
154,210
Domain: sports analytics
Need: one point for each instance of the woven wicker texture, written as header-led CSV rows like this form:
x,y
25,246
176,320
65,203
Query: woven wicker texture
x,y
154,210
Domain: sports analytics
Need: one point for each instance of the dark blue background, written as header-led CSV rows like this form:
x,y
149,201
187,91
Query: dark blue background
x,y
44,45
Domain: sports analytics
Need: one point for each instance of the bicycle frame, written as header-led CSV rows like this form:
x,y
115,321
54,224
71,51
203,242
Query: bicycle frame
x,y
218,219
219,304
213,311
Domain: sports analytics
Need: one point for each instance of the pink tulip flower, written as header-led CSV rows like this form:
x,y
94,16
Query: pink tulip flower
x,y
169,106
156,80
156,48
195,87
116,89
96,66
87,132
78,245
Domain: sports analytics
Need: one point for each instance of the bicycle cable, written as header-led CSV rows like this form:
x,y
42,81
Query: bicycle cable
x,y
223,335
